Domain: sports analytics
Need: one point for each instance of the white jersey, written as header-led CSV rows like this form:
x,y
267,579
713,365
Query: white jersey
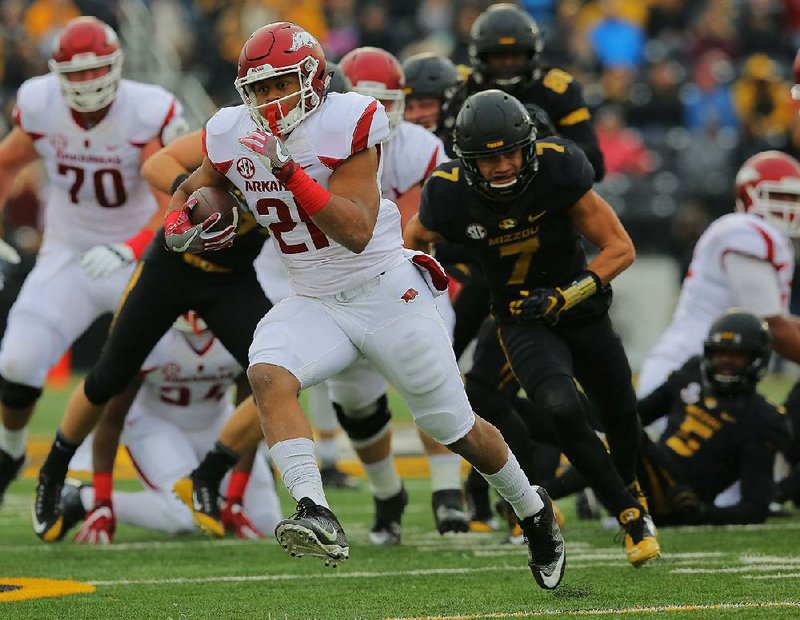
x,y
706,291
409,155
185,386
343,125
97,194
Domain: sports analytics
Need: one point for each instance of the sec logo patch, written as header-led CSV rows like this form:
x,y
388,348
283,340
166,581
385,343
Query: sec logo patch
x,y
246,167
476,231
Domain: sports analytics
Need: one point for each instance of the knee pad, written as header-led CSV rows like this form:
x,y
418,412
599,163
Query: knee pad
x,y
365,426
559,398
421,368
19,396
26,364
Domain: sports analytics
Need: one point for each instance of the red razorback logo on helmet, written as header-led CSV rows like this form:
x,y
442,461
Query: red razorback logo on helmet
x,y
409,296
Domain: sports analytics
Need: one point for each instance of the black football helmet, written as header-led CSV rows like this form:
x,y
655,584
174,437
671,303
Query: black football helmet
x,y
740,332
429,75
339,82
492,122
505,28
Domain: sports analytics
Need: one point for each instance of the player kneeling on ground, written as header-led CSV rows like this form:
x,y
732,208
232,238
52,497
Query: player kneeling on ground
x,y
174,411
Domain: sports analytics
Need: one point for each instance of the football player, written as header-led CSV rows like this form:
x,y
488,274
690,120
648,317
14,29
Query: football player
x,y
92,129
504,50
174,411
719,429
430,80
309,168
408,156
744,259
521,206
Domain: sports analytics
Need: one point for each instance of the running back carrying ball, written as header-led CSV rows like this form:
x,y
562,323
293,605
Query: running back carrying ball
x,y
212,200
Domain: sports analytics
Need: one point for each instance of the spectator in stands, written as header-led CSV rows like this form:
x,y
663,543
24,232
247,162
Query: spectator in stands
x,y
708,103
714,30
623,149
760,28
45,18
656,102
616,41
762,98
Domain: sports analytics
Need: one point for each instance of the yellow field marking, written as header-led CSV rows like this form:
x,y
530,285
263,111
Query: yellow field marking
x,y
25,588
410,467
604,612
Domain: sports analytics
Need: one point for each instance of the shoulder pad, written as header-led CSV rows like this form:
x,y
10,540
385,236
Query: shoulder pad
x,y
34,98
227,120
153,107
349,123
449,172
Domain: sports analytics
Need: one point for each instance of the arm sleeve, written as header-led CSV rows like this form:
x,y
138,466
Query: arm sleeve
x,y
755,472
656,404
754,283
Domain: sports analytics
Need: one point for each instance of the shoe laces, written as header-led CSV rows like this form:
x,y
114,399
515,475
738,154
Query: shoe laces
x,y
540,535
48,496
207,498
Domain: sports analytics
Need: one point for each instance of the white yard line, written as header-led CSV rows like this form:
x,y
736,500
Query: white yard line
x,y
602,612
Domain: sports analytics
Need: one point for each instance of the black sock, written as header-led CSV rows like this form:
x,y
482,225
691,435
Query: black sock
x,y
624,436
571,481
57,462
216,464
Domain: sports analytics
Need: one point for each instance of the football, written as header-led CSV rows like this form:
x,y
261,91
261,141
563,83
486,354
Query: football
x,y
212,200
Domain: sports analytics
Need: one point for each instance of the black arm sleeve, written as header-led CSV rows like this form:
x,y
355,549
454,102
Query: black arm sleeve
x,y
583,135
656,404
755,472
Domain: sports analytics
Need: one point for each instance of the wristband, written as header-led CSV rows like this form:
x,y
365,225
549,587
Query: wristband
x,y
139,242
103,482
581,289
309,195
236,486
177,182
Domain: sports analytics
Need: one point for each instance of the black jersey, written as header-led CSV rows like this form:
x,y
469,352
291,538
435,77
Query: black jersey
x,y
710,442
529,242
557,93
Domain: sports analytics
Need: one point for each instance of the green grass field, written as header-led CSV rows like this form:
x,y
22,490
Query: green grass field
x,y
732,572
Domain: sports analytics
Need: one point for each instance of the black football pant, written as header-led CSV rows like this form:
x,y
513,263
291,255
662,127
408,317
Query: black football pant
x,y
163,287
547,360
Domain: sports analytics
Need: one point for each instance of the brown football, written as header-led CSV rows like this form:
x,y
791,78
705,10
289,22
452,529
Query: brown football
x,y
212,200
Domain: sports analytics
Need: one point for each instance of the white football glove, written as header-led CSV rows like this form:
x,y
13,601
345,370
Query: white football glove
x,y
8,253
103,260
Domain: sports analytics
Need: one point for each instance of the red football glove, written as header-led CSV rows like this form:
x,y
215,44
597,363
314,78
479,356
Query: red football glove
x,y
98,527
271,152
236,521
181,235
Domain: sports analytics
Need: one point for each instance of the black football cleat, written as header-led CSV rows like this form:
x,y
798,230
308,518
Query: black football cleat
x,y
547,556
313,530
203,501
448,511
71,505
388,515
334,478
9,470
48,522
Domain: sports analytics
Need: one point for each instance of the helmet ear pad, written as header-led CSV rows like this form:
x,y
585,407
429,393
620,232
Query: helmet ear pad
x,y
492,122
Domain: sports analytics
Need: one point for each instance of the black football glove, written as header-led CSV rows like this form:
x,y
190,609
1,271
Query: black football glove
x,y
547,304
685,505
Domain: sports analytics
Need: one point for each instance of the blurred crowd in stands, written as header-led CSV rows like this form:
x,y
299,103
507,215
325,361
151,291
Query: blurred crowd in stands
x,y
682,91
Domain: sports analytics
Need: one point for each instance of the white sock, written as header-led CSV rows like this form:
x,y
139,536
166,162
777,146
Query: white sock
x,y
513,486
297,462
384,482
14,443
445,472
328,450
